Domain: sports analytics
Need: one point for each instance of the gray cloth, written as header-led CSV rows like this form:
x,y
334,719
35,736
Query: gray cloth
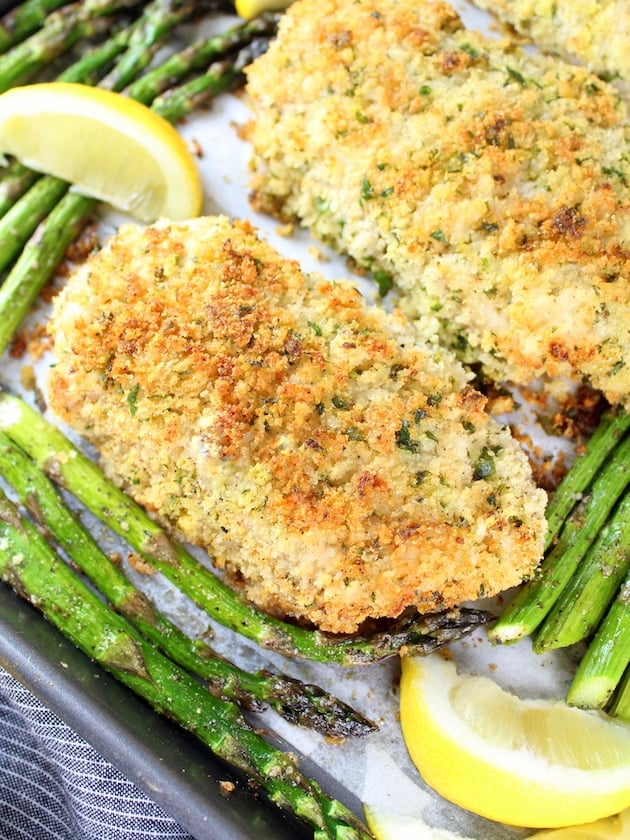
x,y
54,786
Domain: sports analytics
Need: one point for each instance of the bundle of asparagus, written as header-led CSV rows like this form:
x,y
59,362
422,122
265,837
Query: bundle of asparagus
x,y
28,563
582,588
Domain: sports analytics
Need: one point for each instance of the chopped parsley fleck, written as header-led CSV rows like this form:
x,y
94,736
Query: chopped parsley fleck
x,y
485,466
404,439
421,475
367,190
473,52
315,327
353,433
516,76
384,281
132,398
612,170
438,235
321,205
340,403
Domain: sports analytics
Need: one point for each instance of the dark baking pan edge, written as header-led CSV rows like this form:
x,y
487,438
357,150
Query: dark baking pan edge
x,y
164,761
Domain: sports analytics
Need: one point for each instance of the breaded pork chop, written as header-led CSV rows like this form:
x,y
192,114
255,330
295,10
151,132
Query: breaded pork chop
x,y
593,32
492,185
335,464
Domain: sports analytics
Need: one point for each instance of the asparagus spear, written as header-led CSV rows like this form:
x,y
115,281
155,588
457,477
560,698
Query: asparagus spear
x,y
29,565
67,465
607,657
611,428
90,67
176,102
17,225
25,19
621,703
223,75
159,19
39,259
534,601
584,601
200,55
14,182
62,30
306,705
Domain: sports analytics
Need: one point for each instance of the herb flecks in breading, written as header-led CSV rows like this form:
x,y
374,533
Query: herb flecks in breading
x,y
320,449
507,232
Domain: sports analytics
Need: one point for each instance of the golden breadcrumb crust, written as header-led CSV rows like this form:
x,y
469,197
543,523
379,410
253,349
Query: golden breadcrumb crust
x,y
593,32
490,184
336,465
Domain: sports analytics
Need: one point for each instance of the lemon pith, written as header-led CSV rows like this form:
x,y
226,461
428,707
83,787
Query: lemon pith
x,y
105,144
539,764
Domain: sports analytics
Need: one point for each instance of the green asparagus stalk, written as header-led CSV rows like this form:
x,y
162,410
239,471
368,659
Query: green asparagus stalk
x,y
39,259
611,428
621,703
176,102
198,56
607,656
224,75
90,68
67,465
159,19
25,19
305,705
63,29
29,565
535,600
14,182
22,219
585,599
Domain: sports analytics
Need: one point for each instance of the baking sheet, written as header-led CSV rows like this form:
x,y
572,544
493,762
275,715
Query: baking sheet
x,y
168,764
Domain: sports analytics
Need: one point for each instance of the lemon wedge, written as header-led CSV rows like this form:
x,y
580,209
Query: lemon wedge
x,y
105,144
248,9
535,763
387,826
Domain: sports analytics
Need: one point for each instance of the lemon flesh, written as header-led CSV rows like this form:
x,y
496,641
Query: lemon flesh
x,y
534,763
387,826
106,145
